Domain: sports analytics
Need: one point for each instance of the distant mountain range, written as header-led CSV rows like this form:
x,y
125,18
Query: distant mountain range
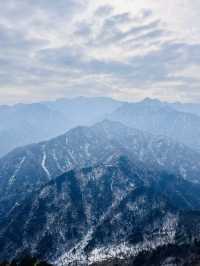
x,y
161,119
24,124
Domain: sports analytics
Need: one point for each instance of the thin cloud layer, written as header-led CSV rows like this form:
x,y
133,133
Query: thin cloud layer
x,y
127,50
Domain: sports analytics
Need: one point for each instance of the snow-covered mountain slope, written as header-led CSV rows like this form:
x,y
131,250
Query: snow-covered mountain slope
x,y
111,210
28,167
161,118
169,255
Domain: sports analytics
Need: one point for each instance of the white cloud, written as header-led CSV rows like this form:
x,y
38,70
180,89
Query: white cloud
x,y
191,71
125,49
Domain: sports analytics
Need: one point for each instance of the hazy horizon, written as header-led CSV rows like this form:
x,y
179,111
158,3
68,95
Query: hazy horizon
x,y
34,101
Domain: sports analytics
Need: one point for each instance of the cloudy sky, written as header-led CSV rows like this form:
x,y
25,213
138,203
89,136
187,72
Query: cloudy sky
x,y
125,49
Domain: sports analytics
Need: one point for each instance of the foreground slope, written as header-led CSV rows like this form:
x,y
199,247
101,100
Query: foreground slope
x,y
111,210
168,255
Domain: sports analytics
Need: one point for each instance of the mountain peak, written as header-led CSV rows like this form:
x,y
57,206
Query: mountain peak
x,y
152,101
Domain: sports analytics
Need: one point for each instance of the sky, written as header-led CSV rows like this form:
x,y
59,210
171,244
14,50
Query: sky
x,y
125,49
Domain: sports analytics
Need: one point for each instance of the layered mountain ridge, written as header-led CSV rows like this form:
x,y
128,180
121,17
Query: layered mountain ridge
x,y
31,166
123,190
21,124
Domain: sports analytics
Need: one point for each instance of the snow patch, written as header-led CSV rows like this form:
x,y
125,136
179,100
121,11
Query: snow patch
x,y
43,164
57,161
13,177
77,256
